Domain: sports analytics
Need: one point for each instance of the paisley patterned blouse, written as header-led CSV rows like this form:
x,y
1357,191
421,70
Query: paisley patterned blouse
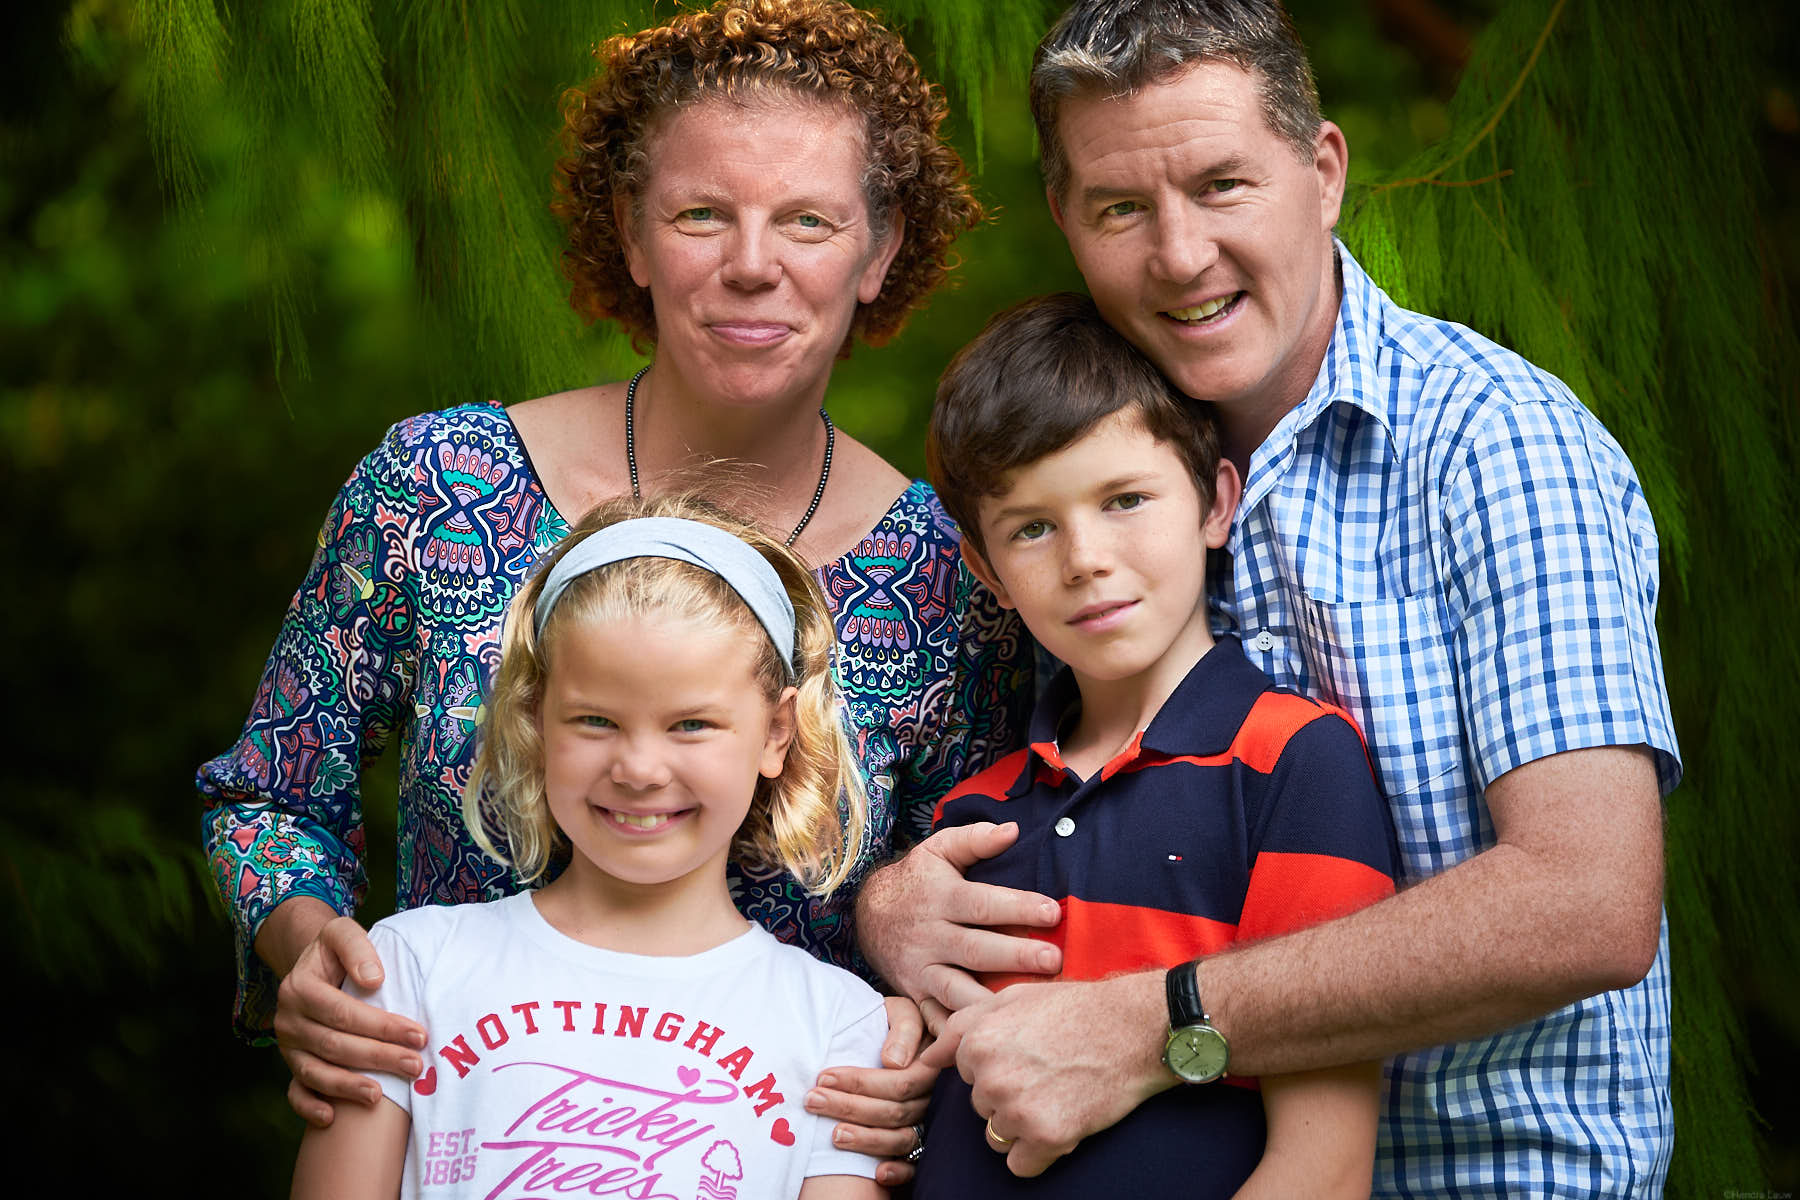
x,y
396,630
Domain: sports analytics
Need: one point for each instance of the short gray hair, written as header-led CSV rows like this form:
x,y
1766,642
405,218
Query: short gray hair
x,y
1114,47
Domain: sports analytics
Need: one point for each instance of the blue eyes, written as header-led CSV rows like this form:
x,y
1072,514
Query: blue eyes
x,y
1126,208
690,725
706,214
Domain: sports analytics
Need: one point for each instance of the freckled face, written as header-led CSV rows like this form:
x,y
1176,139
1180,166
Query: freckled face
x,y
1204,237
1101,547
656,735
756,243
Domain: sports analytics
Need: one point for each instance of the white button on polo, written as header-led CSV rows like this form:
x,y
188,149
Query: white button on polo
x,y
1065,826
1264,641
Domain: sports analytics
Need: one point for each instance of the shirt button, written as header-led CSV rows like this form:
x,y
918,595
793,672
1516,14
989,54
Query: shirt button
x,y
1264,641
1065,826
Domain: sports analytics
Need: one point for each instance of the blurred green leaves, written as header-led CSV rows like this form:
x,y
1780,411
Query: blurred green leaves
x,y
160,500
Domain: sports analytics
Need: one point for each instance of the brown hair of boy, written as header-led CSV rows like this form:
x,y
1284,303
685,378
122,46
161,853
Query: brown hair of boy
x,y
1038,377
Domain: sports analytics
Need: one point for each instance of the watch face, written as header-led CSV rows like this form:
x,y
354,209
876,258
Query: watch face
x,y
1197,1053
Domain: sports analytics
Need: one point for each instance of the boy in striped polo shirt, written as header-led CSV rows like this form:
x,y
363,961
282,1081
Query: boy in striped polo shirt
x,y
1172,799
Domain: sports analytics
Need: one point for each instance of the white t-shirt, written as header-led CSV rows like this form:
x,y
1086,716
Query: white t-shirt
x,y
558,1068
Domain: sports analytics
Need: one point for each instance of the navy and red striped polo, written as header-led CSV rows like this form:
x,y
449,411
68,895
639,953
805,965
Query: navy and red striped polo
x,y
1241,811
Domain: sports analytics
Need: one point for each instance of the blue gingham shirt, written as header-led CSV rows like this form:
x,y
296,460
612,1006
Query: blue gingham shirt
x,y
1443,541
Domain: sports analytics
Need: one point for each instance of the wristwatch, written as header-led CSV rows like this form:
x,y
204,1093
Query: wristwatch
x,y
1195,1051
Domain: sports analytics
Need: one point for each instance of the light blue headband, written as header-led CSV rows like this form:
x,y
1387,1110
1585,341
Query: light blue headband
x,y
705,546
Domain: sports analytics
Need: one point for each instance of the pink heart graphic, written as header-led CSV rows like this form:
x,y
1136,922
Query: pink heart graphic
x,y
426,1083
688,1076
781,1133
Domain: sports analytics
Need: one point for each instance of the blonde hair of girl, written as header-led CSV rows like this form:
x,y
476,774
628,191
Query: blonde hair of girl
x,y
809,821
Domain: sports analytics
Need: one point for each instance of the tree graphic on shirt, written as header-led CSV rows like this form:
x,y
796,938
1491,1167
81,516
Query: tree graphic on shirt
x,y
721,1158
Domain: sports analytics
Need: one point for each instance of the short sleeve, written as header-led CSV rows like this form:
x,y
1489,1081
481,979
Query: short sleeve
x,y
1323,838
402,991
283,811
1551,584
855,1044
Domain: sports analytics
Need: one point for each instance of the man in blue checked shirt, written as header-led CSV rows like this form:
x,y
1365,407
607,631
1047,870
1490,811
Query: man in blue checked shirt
x,y
1434,535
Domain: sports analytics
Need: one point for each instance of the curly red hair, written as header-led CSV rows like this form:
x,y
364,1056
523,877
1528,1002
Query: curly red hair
x,y
822,48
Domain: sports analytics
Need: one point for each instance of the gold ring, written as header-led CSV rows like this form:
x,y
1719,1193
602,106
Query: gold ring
x,y
1000,1144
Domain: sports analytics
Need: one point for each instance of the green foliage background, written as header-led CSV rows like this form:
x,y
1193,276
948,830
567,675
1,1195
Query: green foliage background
x,y
237,242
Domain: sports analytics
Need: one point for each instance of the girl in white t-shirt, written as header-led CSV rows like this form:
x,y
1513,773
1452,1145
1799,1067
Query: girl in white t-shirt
x,y
664,700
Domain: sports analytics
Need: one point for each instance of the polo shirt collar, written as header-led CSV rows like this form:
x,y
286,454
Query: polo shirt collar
x,y
1061,697
1201,716
1204,713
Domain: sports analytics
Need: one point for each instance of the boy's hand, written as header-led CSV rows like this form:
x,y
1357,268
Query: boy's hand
x,y
926,928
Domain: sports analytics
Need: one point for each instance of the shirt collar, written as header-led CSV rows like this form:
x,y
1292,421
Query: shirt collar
x,y
1206,710
1349,376
1059,698
1201,716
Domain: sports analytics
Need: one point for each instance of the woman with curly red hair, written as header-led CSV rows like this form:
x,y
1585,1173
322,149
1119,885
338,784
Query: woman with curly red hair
x,y
747,190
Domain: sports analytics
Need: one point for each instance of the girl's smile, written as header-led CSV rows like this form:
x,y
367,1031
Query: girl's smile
x,y
657,736
645,822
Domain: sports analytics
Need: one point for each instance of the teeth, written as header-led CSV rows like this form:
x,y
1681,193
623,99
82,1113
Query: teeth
x,y
1201,312
646,821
